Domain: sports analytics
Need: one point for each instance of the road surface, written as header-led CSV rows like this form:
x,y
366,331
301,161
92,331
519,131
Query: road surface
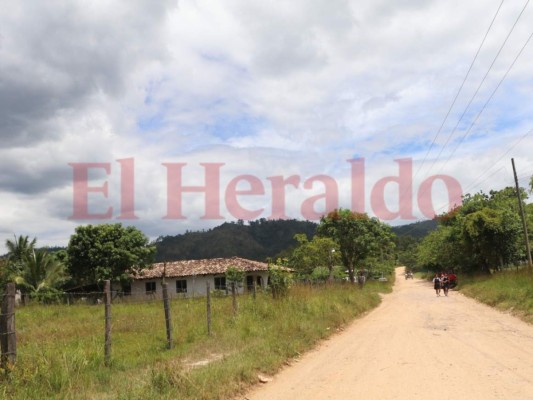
x,y
415,346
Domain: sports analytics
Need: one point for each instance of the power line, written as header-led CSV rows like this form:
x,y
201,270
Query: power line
x,y
475,182
481,84
460,89
489,99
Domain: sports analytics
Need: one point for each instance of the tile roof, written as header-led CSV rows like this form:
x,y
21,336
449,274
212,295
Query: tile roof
x,y
200,267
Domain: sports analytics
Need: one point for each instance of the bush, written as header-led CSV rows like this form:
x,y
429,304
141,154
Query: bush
x,y
280,280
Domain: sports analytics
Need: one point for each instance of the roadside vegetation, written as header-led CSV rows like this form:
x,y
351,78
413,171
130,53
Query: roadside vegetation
x,y
60,347
510,291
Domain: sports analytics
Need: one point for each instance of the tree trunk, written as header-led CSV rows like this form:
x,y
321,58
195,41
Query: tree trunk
x,y
351,274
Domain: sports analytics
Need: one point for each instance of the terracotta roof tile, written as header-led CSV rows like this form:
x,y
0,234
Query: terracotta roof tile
x,y
200,267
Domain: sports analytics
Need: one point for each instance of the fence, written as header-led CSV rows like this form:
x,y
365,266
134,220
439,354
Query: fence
x,y
92,304
8,336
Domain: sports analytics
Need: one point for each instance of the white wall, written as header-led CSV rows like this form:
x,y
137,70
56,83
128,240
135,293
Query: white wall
x,y
196,285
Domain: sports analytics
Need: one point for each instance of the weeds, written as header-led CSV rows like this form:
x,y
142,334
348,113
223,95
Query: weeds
x,y
60,348
508,291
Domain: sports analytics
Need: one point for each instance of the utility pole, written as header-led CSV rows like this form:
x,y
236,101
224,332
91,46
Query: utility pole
x,y
522,214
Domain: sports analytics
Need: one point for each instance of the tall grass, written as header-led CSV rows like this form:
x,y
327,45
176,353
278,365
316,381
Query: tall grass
x,y
60,348
508,291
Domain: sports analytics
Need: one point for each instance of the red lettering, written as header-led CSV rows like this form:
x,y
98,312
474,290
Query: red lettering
x,y
330,195
211,189
405,193
278,194
235,209
425,198
82,189
127,182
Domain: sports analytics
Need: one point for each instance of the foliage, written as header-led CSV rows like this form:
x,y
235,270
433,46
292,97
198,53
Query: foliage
x,y
507,291
358,237
35,272
324,274
280,280
19,249
319,252
233,274
60,353
417,230
107,251
483,233
41,275
406,247
256,241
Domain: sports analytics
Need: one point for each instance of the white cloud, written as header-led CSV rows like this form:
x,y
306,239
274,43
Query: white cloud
x,y
286,89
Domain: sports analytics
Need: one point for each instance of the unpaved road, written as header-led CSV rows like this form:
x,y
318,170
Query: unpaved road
x,y
416,346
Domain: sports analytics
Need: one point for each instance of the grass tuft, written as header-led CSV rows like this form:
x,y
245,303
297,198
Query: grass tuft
x,y
508,291
60,347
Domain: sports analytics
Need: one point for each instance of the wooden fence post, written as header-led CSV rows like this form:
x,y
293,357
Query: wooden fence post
x,y
8,336
234,297
208,288
254,290
107,344
168,321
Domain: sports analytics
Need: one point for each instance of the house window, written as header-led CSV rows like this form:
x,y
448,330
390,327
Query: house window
x,y
220,283
150,287
126,289
181,286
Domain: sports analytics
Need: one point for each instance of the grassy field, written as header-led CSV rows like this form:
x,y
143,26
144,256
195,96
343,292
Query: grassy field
x,y
60,348
507,291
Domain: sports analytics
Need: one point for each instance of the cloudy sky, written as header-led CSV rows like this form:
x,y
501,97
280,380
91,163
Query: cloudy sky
x,y
262,104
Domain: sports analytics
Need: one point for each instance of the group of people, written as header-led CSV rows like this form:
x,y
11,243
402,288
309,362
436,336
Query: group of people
x,y
441,282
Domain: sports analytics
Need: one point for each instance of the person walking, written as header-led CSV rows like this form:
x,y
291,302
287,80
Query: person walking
x,y
445,283
436,284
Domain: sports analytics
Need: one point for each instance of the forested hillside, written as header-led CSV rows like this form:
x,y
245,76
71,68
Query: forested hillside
x,y
256,241
417,229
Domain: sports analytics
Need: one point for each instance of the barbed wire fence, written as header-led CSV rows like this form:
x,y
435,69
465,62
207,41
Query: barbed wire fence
x,y
103,302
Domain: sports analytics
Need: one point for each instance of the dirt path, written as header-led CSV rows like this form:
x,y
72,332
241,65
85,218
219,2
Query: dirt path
x,y
416,346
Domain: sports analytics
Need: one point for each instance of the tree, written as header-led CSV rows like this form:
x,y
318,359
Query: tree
x,y
357,235
483,233
280,280
235,275
18,251
319,252
42,274
107,251
441,249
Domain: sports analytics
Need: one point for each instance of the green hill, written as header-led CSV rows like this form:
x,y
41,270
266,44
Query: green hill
x,y
256,241
417,230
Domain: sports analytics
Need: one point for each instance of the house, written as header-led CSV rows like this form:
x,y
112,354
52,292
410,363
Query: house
x,y
188,278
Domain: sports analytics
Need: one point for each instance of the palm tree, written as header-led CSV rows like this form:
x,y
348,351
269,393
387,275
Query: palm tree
x,y
19,250
41,272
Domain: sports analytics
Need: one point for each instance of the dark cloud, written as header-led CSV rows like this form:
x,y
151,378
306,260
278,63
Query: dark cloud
x,y
36,180
54,56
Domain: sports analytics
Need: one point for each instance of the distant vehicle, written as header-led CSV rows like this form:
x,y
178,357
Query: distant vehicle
x,y
409,275
452,278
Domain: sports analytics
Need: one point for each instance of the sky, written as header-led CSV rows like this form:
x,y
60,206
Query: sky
x,y
174,116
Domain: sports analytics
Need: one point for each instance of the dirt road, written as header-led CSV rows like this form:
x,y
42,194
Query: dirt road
x,y
416,346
